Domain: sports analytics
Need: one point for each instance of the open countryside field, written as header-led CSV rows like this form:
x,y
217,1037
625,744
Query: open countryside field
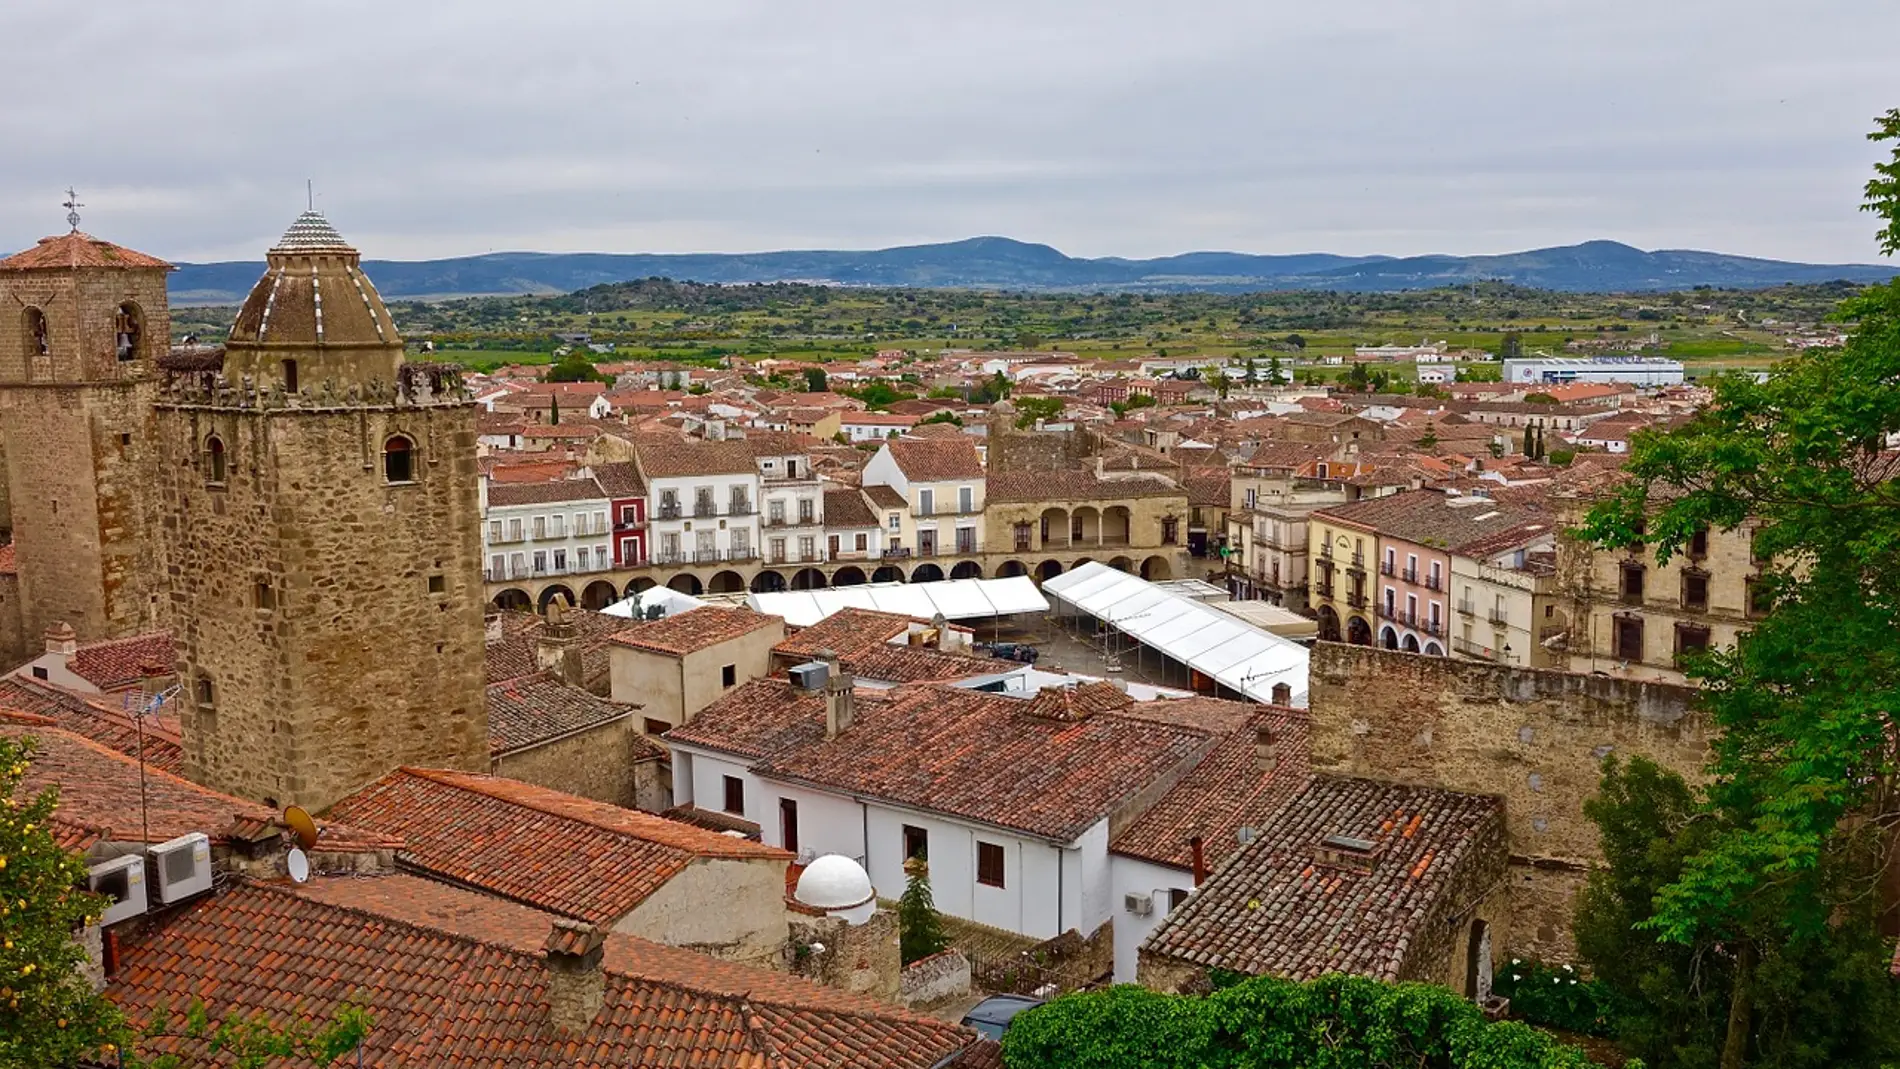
x,y
659,319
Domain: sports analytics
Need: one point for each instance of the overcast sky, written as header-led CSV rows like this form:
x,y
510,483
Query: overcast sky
x,y
1101,127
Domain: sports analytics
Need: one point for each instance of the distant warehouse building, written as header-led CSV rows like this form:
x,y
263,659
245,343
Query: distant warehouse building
x,y
1634,370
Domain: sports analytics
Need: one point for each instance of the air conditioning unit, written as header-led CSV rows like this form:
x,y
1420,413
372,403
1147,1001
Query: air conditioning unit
x,y
1139,905
184,867
123,880
809,676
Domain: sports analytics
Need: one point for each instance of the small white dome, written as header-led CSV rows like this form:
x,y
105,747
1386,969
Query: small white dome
x,y
835,884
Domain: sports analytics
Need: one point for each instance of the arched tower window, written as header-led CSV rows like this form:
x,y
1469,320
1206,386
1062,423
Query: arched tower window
x,y
290,376
399,459
214,460
37,343
129,331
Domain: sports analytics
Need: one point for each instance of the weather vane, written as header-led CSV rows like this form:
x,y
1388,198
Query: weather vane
x,y
72,207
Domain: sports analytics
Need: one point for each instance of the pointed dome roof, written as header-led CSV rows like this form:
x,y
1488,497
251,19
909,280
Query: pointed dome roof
x,y
313,293
309,233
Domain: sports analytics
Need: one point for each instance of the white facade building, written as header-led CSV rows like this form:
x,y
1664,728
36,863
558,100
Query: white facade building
x,y
702,501
941,482
533,530
1557,370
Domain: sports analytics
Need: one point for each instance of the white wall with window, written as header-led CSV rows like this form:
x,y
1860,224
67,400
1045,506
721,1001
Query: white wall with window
x,y
1157,889
545,529
703,518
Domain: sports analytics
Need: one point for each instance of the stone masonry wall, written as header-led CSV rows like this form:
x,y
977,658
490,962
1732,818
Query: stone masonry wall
x,y
595,764
1535,737
337,618
77,425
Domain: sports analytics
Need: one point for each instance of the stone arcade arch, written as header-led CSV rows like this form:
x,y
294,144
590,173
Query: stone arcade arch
x,y
726,582
848,576
512,600
768,582
1432,649
1156,569
1122,564
1011,567
966,569
1054,528
1328,624
926,573
557,591
1410,645
1116,525
1048,569
686,583
598,594
1358,631
808,579
643,583
890,573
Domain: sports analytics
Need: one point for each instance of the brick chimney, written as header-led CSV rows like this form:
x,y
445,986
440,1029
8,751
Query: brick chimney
x,y
1282,694
62,640
840,702
556,649
1266,755
946,639
577,985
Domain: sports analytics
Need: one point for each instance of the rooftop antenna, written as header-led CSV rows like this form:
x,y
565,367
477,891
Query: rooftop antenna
x,y
310,194
72,207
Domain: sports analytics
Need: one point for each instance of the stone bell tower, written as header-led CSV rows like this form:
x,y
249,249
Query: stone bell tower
x,y
81,321
323,538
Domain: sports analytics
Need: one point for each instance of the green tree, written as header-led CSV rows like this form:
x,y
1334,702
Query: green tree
x,y
1803,772
554,410
816,381
1540,398
1334,1022
1253,373
919,929
1511,346
574,368
1358,378
1274,369
1217,378
945,416
1295,341
1033,410
49,1013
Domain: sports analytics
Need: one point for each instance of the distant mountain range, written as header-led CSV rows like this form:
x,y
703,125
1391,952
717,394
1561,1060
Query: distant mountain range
x,y
1003,263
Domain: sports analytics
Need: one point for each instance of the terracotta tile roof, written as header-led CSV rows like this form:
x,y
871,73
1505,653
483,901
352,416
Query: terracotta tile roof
x,y
694,630
915,664
456,980
1209,486
847,508
78,250
770,443
884,497
1290,905
99,787
1428,517
712,820
965,753
848,631
620,479
513,655
548,493
559,852
665,458
932,460
119,663
535,709
1032,486
105,722
1226,791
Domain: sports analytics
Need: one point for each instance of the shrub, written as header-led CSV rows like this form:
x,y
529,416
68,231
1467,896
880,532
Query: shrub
x,y
1267,1023
1556,996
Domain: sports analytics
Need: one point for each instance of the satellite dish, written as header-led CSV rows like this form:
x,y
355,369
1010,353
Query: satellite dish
x,y
298,864
301,825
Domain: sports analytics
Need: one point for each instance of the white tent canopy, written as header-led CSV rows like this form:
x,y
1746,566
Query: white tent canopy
x,y
954,599
669,600
1229,649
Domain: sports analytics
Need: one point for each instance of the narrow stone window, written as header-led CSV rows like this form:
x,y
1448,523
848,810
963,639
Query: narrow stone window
x,y
204,690
437,584
266,597
128,331
37,343
214,460
290,376
399,460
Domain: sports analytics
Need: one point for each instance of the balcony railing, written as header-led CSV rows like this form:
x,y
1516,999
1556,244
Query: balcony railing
x,y
1357,601
1474,649
1410,575
791,521
629,525
669,512
705,510
1465,608
1433,582
1386,568
1497,617
896,552
1325,591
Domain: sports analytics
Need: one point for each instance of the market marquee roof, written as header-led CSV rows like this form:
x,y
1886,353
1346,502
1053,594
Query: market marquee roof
x,y
956,599
1232,651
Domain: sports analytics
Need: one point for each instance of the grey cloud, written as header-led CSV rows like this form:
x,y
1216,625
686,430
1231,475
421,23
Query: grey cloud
x,y
1103,127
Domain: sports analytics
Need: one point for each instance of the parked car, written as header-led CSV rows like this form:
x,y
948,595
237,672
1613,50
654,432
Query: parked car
x,y
992,1015
1009,651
